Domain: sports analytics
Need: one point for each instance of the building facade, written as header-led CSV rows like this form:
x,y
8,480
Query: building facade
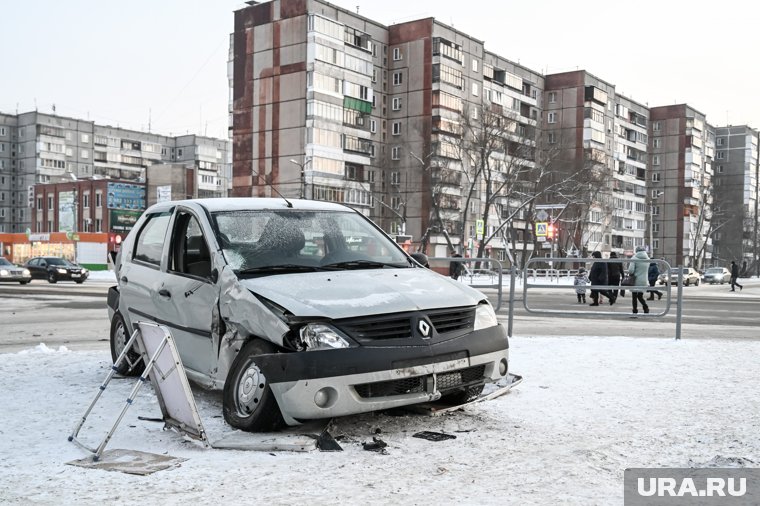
x,y
38,148
735,215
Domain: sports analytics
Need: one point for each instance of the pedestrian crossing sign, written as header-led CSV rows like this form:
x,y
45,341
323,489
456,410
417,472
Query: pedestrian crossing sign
x,y
541,227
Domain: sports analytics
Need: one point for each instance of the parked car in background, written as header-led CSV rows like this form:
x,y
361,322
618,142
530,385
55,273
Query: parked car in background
x,y
717,275
300,310
56,269
690,276
12,273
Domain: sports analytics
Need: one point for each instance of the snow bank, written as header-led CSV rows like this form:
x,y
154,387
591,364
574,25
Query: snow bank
x,y
587,409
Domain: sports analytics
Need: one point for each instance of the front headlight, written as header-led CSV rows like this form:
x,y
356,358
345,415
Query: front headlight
x,y
485,317
3,272
84,271
27,273
318,336
61,271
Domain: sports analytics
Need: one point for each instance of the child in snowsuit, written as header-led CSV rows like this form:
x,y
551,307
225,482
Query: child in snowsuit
x,y
580,282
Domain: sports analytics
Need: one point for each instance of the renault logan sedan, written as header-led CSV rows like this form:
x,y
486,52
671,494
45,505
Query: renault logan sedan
x,y
717,275
300,310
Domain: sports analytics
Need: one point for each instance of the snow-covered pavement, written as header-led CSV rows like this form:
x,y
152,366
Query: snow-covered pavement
x,y
588,408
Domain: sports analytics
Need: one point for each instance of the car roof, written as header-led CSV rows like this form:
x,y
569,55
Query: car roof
x,y
251,204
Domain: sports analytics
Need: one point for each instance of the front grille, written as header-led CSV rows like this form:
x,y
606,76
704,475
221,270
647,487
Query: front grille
x,y
444,381
453,320
403,325
370,329
450,380
393,387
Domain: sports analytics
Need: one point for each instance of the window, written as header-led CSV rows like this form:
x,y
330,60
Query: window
x,y
395,178
189,252
719,141
656,126
397,54
552,97
552,138
655,177
396,128
98,200
50,203
85,153
721,155
655,210
85,138
396,104
657,143
655,244
150,241
655,227
397,78
656,194
474,65
98,225
373,126
475,89
551,117
2,131
474,113
396,153
720,169
655,159
86,200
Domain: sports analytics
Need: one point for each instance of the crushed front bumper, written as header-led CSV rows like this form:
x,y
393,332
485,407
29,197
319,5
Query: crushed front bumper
x,y
323,384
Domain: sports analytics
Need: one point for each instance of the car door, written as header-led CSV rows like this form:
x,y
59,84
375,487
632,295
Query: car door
x,y
190,291
36,267
140,276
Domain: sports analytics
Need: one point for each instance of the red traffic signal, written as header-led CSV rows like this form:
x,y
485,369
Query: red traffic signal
x,y
550,232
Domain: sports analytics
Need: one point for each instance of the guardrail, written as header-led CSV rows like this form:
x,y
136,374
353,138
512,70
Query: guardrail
x,y
663,266
496,275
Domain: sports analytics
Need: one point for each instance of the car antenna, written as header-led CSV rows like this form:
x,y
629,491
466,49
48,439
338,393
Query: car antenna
x,y
271,186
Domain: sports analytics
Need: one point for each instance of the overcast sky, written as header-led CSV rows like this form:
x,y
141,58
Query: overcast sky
x,y
125,62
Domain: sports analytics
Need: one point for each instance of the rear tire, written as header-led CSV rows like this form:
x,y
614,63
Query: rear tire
x,y
23,282
248,402
52,278
119,337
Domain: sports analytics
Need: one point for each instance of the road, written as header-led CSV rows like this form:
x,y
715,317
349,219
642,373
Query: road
x,y
75,316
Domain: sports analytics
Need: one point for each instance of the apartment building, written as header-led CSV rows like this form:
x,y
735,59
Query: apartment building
x,y
330,105
734,224
598,132
681,185
37,148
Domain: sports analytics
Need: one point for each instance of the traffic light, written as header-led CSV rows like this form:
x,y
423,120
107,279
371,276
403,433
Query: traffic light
x,y
550,232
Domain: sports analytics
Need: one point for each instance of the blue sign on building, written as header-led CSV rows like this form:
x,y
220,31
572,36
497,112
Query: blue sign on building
x,y
126,196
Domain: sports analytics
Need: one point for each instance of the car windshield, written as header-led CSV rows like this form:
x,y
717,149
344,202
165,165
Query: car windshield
x,y
261,242
715,270
685,270
3,261
58,261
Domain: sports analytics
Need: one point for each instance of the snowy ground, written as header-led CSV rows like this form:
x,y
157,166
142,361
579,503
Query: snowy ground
x,y
588,408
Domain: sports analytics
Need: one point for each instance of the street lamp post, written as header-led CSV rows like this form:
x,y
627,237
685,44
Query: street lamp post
x,y
302,166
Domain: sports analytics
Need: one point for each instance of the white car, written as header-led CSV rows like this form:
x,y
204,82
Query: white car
x,y
717,275
690,277
300,310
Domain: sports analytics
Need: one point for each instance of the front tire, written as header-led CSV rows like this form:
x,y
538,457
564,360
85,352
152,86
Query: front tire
x,y
248,402
52,278
119,337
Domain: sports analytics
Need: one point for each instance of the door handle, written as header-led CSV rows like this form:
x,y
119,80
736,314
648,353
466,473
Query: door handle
x,y
165,293
124,279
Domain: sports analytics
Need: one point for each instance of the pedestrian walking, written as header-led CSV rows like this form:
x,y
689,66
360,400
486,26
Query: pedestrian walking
x,y
580,282
735,277
640,271
614,275
598,276
652,274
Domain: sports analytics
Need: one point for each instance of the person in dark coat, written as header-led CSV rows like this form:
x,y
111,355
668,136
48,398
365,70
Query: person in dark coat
x,y
455,268
652,274
735,277
598,276
614,275
640,271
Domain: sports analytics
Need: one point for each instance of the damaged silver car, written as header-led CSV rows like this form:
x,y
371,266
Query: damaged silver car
x,y
300,310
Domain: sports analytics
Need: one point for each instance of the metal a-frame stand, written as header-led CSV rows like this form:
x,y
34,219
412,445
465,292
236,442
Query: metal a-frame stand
x,y
164,368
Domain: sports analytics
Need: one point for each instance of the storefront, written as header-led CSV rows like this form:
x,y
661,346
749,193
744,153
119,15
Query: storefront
x,y
90,250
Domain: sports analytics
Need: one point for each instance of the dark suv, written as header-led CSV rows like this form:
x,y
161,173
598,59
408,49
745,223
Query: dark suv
x,y
56,269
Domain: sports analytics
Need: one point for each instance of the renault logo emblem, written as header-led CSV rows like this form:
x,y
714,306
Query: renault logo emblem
x,y
424,329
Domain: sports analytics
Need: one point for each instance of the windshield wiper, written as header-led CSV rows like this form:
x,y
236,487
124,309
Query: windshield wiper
x,y
362,264
280,268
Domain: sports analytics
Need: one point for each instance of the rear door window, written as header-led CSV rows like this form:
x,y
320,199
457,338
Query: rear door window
x,y
150,241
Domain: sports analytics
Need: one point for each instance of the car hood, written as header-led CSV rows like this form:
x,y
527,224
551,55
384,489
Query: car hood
x,y
346,294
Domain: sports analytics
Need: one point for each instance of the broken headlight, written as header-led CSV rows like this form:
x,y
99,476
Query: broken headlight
x,y
485,317
318,336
